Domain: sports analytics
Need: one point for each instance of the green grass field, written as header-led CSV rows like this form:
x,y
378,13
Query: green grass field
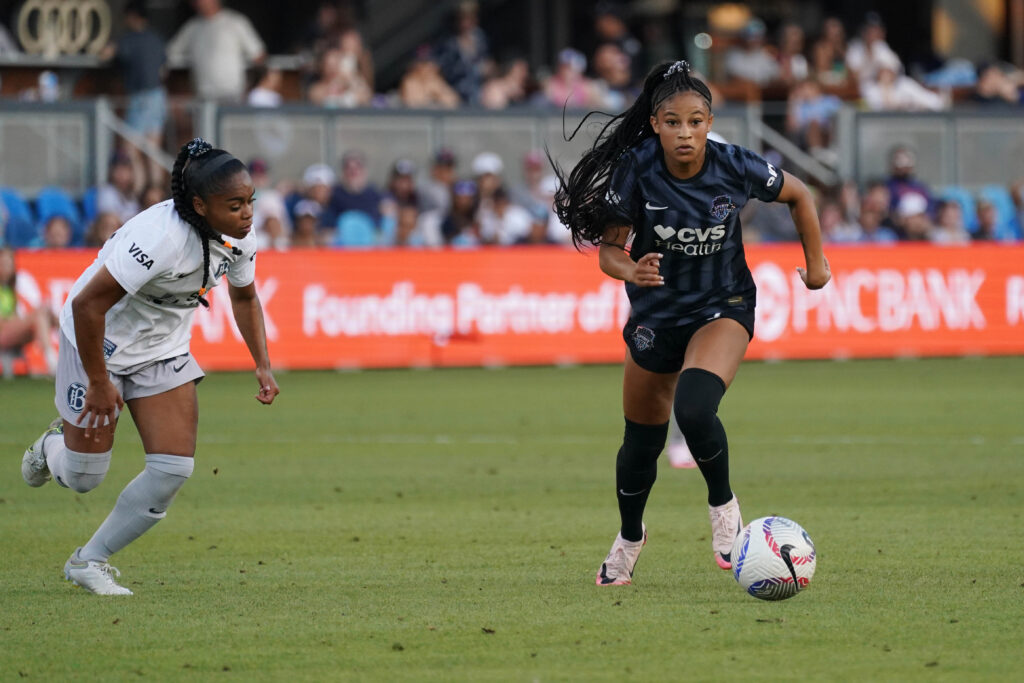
x,y
447,525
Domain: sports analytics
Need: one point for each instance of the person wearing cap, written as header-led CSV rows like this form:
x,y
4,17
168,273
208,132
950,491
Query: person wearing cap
x,y
912,218
270,216
460,228
752,61
317,181
902,181
306,233
435,192
487,172
117,195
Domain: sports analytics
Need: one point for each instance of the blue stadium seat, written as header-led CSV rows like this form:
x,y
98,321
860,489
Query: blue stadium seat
x,y
89,208
53,201
355,231
21,230
1008,227
965,199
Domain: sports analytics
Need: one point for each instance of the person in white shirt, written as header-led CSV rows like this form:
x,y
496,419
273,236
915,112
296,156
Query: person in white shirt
x,y
218,45
125,331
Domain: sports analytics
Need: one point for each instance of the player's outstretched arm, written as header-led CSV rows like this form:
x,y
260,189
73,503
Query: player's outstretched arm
x,y
801,206
248,312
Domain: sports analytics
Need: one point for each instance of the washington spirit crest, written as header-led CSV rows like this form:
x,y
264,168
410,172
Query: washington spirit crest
x,y
721,206
643,338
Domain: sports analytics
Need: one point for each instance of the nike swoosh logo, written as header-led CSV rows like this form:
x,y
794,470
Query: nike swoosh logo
x,y
637,493
180,367
654,208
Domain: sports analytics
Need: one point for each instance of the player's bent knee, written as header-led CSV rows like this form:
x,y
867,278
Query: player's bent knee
x,y
643,443
84,471
165,475
698,394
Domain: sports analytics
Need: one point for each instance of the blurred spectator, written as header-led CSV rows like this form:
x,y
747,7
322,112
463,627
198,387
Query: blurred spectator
x,y
459,227
752,61
538,235
810,118
995,86
354,198
610,27
834,228
872,228
307,233
988,221
423,87
102,227
568,87
217,44
340,83
828,70
17,327
1017,193
510,87
317,181
153,194
266,91
949,225
435,192
767,222
530,193
501,221
889,90
415,229
901,181
487,171
849,200
57,233
464,57
270,216
792,63
869,52
117,195
140,54
329,20
912,218
614,77
401,188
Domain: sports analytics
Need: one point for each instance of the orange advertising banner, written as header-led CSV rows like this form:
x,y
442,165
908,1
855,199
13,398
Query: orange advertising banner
x,y
551,305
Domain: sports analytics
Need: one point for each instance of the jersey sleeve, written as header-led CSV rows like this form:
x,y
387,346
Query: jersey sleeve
x,y
242,272
763,181
143,253
621,194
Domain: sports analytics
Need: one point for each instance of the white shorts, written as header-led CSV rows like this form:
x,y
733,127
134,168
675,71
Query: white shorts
x,y
150,380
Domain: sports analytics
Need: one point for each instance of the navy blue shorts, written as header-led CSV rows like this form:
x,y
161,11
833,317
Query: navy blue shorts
x,y
663,349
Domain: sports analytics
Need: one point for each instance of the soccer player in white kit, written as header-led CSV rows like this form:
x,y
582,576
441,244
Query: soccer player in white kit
x,y
125,336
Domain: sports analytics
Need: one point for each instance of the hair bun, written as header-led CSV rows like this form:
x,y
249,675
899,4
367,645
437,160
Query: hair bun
x,y
198,147
682,66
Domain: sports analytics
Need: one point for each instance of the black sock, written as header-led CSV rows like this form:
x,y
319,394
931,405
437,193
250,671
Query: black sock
x,y
697,397
636,468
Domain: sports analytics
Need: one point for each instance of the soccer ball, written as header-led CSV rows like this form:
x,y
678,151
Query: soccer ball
x,y
773,558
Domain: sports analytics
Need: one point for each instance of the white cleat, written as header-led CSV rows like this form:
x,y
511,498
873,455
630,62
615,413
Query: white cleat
x,y
95,577
33,464
726,524
617,569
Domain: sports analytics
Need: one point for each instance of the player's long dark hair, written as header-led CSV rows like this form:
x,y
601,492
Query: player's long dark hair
x,y
200,170
581,201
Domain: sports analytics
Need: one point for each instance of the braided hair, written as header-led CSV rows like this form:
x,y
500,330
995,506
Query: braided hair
x,y
200,170
581,201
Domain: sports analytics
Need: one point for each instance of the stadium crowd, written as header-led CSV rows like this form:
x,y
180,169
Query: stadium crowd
x,y
431,207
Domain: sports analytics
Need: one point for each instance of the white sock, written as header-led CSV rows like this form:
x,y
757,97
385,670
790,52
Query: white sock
x,y
73,470
142,504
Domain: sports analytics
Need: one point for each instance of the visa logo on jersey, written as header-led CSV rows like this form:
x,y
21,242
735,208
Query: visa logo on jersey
x,y
690,241
141,256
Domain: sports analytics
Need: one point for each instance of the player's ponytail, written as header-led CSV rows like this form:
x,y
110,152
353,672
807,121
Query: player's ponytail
x,y
200,170
581,201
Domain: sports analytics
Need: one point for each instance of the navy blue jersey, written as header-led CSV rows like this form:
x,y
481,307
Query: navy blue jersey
x,y
695,224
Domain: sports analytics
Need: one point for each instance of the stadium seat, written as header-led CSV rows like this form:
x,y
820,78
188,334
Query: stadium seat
x,y
355,231
1009,227
965,199
53,201
21,230
89,208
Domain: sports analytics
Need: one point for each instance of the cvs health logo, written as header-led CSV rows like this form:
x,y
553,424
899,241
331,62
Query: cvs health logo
x,y
690,241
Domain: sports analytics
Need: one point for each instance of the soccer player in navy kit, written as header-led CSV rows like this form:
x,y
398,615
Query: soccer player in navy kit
x,y
662,203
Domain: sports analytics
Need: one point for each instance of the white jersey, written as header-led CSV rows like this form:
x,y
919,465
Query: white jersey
x,y
158,259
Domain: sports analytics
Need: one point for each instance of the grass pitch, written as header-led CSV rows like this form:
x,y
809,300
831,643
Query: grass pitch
x,y
447,525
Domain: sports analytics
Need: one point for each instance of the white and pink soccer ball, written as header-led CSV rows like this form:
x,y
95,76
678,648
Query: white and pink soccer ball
x,y
773,558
